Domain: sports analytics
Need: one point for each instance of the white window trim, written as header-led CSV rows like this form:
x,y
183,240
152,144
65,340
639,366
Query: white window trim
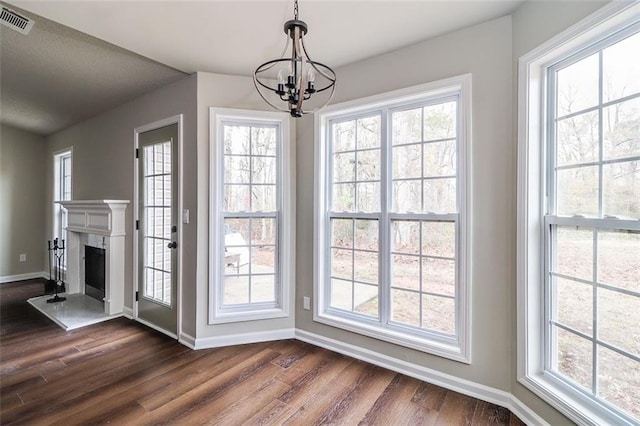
x,y
286,225
532,141
57,156
458,349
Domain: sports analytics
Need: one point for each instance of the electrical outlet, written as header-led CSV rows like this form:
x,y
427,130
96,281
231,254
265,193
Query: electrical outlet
x,y
306,302
23,257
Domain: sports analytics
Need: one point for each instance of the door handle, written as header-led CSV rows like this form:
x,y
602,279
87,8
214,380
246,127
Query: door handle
x,y
172,245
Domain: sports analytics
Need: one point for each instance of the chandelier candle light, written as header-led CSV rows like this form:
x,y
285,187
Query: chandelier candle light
x,y
301,73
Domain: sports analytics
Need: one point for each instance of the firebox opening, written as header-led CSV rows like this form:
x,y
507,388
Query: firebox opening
x,y
94,271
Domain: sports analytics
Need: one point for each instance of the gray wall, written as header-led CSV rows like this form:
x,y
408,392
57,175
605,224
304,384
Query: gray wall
x,y
222,91
103,159
485,51
22,194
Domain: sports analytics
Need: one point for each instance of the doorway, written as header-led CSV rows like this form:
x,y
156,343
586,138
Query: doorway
x,y
158,228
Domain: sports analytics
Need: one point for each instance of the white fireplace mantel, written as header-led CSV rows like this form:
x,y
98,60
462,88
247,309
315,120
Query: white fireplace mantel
x,y
97,217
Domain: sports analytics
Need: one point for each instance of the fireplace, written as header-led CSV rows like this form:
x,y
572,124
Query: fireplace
x,y
97,224
94,259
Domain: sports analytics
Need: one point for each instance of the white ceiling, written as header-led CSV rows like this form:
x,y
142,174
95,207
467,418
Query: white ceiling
x,y
233,37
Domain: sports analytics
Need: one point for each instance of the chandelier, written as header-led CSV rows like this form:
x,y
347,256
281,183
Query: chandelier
x,y
304,77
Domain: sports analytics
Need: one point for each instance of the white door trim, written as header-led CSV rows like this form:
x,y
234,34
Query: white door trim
x,y
176,119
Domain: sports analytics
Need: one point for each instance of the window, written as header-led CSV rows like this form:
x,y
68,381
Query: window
x,y
579,316
61,192
392,226
251,215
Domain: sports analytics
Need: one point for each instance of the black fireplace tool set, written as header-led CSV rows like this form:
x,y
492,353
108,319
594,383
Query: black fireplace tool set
x,y
56,256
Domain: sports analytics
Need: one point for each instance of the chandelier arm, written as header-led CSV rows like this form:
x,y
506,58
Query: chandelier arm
x,y
313,64
274,106
286,46
303,77
333,89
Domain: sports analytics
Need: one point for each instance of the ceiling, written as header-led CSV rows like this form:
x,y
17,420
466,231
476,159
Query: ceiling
x,y
136,45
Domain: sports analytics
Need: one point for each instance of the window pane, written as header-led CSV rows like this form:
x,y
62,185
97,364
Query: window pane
x,y
236,198
344,166
263,231
619,380
344,197
405,236
236,290
366,299
574,253
439,276
407,126
341,294
369,132
236,140
263,288
618,320
577,191
367,234
236,169
263,170
578,139
574,304
344,136
407,161
440,195
405,307
263,198
578,86
440,159
237,232
368,196
366,267
342,263
621,68
407,196
263,260
622,129
574,356
439,239
342,233
439,314
440,121
263,141
619,259
405,271
368,166
622,189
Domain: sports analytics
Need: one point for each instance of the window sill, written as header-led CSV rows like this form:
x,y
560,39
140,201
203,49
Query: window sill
x,y
221,317
579,408
443,347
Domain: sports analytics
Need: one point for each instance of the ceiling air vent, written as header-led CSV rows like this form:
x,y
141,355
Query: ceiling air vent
x,y
13,20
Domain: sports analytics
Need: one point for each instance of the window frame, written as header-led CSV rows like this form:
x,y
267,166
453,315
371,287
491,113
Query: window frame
x,y
457,348
285,224
59,212
536,162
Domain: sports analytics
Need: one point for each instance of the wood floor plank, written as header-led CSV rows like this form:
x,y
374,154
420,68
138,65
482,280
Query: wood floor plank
x,y
122,373
270,414
394,405
491,414
457,409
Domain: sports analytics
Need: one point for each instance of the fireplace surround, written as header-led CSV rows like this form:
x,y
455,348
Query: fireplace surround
x,y
105,219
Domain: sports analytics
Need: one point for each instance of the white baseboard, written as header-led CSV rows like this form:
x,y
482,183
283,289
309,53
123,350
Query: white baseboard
x,y
242,339
22,277
127,312
466,387
187,340
156,328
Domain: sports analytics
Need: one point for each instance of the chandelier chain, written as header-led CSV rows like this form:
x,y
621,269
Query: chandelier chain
x,y
295,9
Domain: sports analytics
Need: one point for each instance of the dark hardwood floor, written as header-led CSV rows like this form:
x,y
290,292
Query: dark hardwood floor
x,y
122,373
